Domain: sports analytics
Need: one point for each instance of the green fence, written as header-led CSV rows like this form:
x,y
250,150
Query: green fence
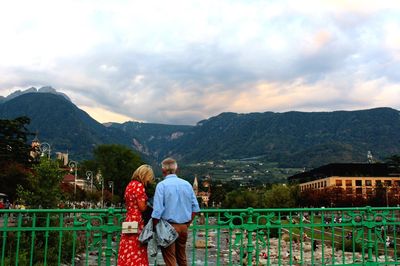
x,y
331,236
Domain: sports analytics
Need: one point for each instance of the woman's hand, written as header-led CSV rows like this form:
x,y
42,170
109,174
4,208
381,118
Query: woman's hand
x,y
142,205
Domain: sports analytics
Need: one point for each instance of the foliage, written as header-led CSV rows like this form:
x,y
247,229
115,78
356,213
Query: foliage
x,y
117,163
43,185
394,162
12,175
13,140
337,197
218,193
279,196
294,138
394,159
24,246
348,246
14,154
241,198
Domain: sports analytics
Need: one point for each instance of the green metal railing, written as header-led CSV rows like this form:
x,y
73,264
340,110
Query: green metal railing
x,y
313,236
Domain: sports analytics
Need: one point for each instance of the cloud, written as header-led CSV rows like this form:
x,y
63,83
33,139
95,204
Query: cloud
x,y
155,62
101,114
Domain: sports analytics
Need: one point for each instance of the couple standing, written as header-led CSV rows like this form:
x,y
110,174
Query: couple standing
x,y
174,202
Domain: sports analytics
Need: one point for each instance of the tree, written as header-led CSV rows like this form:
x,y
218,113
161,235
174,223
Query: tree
x,y
218,192
43,187
11,175
117,163
241,198
394,159
279,196
13,140
379,196
394,163
14,155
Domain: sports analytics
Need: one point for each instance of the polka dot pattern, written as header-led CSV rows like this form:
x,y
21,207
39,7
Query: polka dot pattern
x,y
131,252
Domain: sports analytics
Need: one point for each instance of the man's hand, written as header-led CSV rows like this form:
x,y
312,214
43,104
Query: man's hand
x,y
155,221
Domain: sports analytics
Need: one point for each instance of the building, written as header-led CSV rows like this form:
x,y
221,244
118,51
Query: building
x,y
81,183
354,178
203,195
62,157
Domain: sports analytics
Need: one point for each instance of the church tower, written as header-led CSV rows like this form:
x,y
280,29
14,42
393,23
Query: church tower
x,y
35,148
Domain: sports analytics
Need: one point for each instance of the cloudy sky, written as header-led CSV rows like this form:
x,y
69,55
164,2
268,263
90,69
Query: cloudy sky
x,y
179,62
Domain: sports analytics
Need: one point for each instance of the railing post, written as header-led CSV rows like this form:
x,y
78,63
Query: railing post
x,y
250,226
369,224
109,231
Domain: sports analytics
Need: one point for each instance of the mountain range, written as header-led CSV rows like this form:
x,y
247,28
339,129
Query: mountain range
x,y
292,139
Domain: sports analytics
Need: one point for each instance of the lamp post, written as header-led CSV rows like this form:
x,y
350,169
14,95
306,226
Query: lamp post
x,y
101,180
74,165
111,185
89,176
45,148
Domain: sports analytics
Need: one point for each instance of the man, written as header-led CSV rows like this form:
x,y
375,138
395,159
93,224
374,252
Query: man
x,y
175,202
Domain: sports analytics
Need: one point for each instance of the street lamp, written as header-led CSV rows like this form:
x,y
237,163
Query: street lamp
x,y
74,165
45,148
101,180
111,185
89,176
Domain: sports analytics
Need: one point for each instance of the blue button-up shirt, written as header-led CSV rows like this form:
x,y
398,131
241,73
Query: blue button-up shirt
x,y
174,200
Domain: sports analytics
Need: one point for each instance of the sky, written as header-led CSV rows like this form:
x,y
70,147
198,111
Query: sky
x,y
182,61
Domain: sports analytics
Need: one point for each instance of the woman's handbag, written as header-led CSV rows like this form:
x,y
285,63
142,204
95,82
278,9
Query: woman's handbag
x,y
130,227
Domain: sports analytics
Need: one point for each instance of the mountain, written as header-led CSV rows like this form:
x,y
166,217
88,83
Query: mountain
x,y
60,123
153,140
46,89
295,139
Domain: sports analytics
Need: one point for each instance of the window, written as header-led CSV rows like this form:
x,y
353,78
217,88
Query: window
x,y
359,191
397,183
349,191
388,183
368,183
325,183
338,183
378,183
358,183
349,183
369,191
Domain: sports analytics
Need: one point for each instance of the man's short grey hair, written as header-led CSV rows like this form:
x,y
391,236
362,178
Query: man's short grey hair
x,y
169,165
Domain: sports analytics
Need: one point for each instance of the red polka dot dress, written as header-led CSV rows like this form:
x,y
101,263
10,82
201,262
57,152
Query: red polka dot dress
x,y
131,251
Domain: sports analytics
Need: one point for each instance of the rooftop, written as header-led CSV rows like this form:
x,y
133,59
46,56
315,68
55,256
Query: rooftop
x,y
348,170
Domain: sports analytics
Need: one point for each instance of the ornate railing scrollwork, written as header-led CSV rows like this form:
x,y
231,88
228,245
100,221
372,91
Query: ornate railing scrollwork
x,y
373,222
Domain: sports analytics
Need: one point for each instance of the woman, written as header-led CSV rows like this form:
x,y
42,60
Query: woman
x,y
131,252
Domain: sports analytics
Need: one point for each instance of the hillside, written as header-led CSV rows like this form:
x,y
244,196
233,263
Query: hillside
x,y
154,140
291,139
60,123
294,138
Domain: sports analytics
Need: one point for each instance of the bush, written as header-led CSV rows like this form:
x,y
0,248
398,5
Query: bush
x,y
38,256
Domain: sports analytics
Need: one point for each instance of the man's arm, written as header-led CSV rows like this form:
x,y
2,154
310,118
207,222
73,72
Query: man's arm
x,y
158,204
195,207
